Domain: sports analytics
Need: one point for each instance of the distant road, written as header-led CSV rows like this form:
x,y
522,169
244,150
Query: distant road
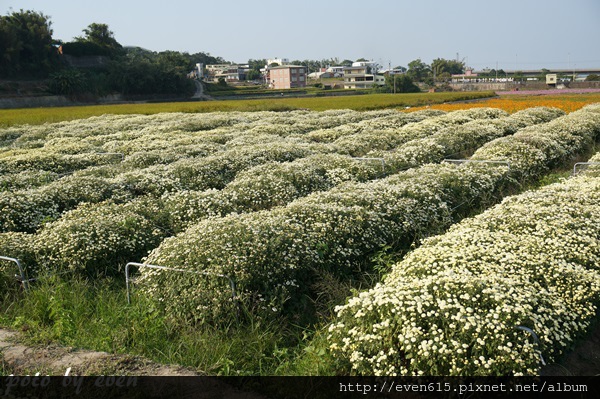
x,y
199,94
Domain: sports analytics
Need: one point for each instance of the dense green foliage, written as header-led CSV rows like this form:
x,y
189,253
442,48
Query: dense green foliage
x,y
592,78
398,84
94,64
26,45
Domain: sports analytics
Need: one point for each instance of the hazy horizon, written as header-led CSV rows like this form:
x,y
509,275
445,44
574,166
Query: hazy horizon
x,y
520,35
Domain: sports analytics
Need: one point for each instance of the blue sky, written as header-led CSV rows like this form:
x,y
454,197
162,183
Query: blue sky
x,y
515,34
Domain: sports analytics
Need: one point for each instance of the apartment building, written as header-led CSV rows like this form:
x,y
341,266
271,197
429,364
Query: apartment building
x,y
287,77
360,77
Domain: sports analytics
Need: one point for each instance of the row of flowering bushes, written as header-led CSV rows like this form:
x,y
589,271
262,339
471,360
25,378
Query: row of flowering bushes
x,y
83,238
276,184
97,238
25,210
66,240
274,255
454,305
367,140
70,146
66,146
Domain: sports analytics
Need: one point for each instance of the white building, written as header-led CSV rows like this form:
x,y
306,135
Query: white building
x,y
361,77
371,64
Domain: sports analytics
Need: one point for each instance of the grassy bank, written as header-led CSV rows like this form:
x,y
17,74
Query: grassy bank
x,y
95,315
36,116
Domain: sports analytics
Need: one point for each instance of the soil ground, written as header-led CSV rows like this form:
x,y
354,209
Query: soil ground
x,y
20,359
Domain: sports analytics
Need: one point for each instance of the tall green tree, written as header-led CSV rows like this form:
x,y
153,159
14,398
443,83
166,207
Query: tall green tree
x,y
101,36
453,67
543,73
26,44
418,70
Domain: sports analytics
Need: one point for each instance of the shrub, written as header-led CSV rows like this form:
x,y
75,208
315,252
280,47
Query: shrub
x,y
68,82
97,238
272,255
452,306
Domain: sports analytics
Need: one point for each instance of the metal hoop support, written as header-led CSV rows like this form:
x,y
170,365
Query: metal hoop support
x,y
22,278
140,265
583,164
459,161
536,340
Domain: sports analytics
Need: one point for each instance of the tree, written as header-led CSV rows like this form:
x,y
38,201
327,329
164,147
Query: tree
x,y
206,59
175,60
256,65
418,70
253,75
100,35
346,63
68,82
399,84
26,44
10,48
592,78
453,67
143,72
518,76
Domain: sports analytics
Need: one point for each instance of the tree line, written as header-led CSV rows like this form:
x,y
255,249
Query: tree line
x,y
28,51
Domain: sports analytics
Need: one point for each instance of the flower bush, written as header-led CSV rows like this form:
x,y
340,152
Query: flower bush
x,y
274,184
546,146
452,306
22,247
27,179
336,230
97,238
268,198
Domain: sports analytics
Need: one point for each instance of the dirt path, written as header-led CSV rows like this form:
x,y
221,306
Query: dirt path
x,y
56,360
199,94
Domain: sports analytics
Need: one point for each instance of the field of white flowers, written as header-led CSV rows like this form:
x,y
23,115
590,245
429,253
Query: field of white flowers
x,y
276,200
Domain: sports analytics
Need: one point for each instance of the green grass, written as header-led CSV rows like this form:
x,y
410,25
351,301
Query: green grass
x,y
36,116
95,315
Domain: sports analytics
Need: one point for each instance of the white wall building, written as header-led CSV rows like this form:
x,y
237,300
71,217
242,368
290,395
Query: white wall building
x,y
361,77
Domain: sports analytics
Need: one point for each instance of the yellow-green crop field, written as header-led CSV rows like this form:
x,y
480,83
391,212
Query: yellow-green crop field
x,y
36,116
